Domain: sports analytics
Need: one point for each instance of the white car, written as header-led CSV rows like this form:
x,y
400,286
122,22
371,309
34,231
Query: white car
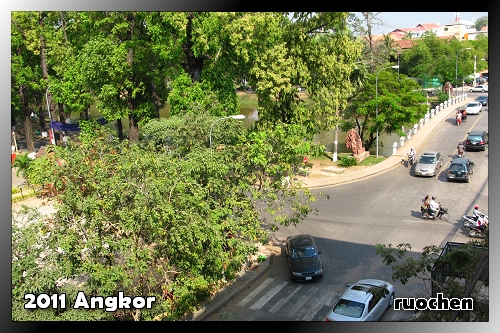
x,y
473,107
357,304
481,88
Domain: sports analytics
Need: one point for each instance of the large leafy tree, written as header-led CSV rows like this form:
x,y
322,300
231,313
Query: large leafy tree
x,y
169,223
399,103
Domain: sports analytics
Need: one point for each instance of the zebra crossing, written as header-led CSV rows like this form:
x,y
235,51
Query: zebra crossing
x,y
302,302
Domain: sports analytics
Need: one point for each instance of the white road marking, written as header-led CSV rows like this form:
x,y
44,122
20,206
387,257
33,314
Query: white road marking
x,y
324,300
427,221
298,308
255,292
282,301
263,300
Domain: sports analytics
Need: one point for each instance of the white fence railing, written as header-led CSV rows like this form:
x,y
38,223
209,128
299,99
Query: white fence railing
x,y
430,114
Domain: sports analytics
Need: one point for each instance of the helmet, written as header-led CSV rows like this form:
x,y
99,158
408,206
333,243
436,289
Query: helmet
x,y
412,148
476,207
433,197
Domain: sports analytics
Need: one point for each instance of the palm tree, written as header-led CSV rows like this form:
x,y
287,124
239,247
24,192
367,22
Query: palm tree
x,y
22,163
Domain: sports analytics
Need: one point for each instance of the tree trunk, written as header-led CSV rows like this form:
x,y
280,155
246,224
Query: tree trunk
x,y
45,72
62,115
133,132
335,143
156,100
119,129
41,119
28,126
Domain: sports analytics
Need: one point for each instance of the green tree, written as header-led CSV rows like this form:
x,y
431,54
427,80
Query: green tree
x,y
467,266
173,224
399,103
481,22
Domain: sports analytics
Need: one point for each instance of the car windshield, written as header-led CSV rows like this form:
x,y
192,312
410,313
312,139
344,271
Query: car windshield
x,y
349,308
427,159
474,138
457,167
304,252
472,105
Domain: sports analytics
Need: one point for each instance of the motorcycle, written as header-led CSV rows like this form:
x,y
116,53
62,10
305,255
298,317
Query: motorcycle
x,y
441,214
475,231
460,153
470,220
411,160
459,121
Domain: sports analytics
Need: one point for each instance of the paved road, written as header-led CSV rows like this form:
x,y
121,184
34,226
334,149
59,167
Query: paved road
x,y
274,285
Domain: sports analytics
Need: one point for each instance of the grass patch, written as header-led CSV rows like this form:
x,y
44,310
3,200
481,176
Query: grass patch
x,y
247,100
371,160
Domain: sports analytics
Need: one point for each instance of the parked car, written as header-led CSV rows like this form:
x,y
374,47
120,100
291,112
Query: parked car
x,y
473,107
476,140
429,164
480,88
303,258
482,99
359,304
461,168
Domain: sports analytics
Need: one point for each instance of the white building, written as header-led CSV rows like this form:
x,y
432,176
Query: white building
x,y
458,28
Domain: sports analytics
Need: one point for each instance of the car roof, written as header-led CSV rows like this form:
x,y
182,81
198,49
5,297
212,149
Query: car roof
x,y
301,240
431,153
359,291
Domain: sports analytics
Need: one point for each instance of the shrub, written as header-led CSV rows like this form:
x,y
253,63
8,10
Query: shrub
x,y
347,161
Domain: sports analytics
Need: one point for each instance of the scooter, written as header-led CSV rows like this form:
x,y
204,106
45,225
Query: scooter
x,y
441,214
411,160
459,121
461,153
469,220
475,231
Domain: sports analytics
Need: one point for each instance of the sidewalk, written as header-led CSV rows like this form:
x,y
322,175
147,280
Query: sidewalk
x,y
247,276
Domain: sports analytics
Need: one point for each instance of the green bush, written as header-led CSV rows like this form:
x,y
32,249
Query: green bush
x,y
347,161
317,150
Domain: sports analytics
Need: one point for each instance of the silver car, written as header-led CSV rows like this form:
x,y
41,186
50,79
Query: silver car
x,y
359,304
429,164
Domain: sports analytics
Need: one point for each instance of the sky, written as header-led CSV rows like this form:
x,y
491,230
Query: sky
x,y
411,19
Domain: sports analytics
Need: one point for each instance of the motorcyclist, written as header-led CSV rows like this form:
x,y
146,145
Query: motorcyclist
x,y
433,206
411,154
425,205
460,149
479,218
459,117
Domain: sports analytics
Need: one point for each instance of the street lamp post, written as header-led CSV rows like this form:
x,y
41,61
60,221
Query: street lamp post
x,y
51,131
238,116
376,97
456,69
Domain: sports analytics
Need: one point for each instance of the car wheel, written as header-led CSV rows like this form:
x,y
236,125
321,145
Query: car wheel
x,y
391,300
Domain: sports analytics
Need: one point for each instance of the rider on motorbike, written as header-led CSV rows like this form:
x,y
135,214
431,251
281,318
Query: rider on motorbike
x,y
479,218
460,149
411,155
433,206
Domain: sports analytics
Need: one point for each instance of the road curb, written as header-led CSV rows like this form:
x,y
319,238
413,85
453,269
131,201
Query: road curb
x,y
224,296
